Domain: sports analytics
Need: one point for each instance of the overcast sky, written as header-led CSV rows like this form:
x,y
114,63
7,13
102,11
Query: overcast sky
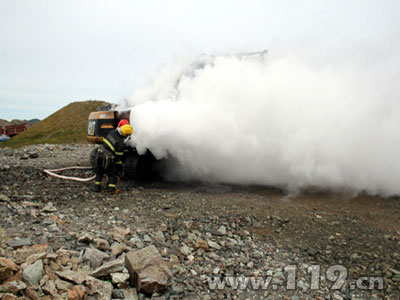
x,y
56,52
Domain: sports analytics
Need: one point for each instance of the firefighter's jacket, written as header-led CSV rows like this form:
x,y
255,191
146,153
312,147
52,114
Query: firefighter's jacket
x,y
115,143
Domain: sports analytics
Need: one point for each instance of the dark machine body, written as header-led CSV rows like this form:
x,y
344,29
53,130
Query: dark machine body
x,y
136,166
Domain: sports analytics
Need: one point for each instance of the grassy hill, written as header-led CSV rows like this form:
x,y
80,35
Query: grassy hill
x,y
68,125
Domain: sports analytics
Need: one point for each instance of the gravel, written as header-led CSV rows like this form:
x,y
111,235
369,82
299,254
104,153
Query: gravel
x,y
203,232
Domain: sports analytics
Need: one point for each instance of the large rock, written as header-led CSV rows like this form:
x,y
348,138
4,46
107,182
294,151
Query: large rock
x,y
73,276
101,290
12,287
50,289
119,234
35,257
149,272
31,293
9,297
63,285
22,254
117,278
117,249
7,268
19,243
213,245
86,238
130,294
109,267
76,293
4,198
101,244
95,257
200,244
33,273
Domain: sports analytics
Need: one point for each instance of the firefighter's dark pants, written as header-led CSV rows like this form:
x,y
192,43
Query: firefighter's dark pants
x,y
111,172
110,168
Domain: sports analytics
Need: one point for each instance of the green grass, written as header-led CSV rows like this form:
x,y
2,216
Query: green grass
x,y
68,125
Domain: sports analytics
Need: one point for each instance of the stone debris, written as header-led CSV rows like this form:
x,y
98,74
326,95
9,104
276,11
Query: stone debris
x,y
149,273
59,240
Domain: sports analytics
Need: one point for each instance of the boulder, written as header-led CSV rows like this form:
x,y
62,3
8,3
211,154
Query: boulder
x,y
95,257
76,293
117,249
101,290
73,276
149,272
50,289
7,268
9,297
12,287
130,294
200,244
19,243
119,233
117,278
63,285
101,244
109,267
4,198
33,273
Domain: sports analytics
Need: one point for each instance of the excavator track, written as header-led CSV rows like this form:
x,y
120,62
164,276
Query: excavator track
x,y
139,167
136,167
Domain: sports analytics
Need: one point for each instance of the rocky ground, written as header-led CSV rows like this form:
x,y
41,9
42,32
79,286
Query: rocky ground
x,y
161,240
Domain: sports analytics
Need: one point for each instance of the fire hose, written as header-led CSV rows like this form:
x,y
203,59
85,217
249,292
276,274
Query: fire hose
x,y
52,173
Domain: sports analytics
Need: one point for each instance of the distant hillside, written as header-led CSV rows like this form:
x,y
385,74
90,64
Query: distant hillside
x,y
68,125
17,122
32,121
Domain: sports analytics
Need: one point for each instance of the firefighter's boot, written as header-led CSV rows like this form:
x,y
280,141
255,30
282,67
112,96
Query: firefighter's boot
x,y
97,187
112,189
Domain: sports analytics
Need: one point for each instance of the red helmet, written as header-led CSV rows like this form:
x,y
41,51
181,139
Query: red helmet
x,y
123,122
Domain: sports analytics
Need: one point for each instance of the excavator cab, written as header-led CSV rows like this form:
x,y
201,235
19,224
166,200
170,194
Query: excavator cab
x,y
101,122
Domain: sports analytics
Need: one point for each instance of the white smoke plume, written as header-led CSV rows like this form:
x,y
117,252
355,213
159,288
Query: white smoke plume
x,y
287,120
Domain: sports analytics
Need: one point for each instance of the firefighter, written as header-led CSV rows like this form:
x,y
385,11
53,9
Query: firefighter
x,y
109,156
